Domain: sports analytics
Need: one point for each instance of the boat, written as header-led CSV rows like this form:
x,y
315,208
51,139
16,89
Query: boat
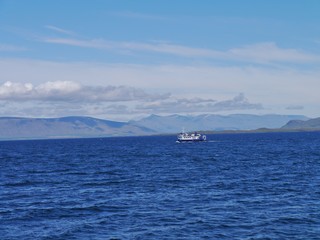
x,y
191,137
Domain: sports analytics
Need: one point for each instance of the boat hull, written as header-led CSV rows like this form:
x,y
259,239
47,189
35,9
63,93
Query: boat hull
x,y
194,137
191,140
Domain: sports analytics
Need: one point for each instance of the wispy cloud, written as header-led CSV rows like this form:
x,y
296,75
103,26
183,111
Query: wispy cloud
x,y
11,48
71,91
266,52
59,30
157,47
270,52
295,107
137,15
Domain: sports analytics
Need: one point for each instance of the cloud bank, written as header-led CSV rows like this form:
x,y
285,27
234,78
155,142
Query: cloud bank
x,y
61,98
72,91
198,105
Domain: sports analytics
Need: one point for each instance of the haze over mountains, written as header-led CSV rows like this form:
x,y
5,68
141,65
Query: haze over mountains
x,y
76,127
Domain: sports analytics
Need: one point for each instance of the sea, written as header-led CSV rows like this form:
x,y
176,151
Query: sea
x,y
233,186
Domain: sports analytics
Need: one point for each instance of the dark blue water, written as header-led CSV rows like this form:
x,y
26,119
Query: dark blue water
x,y
245,186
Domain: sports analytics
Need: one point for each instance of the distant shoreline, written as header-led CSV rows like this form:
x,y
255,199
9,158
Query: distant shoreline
x,y
214,132
260,130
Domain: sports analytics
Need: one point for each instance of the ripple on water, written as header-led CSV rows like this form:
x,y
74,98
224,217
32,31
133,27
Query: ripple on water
x,y
242,186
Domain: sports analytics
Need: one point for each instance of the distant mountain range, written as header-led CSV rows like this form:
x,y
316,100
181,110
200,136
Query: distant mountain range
x,y
80,127
175,123
66,127
311,124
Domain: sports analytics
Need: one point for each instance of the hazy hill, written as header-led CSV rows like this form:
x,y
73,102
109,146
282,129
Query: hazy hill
x,y
300,124
66,127
175,123
73,127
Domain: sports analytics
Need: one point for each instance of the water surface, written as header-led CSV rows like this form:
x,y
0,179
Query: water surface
x,y
234,186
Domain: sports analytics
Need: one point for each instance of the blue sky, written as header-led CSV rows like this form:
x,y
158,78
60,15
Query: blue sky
x,y
127,59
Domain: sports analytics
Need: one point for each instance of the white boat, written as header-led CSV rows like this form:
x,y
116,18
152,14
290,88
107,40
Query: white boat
x,y
191,137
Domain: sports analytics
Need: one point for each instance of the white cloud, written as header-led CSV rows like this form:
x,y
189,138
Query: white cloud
x,y
125,110
198,105
237,103
72,91
275,88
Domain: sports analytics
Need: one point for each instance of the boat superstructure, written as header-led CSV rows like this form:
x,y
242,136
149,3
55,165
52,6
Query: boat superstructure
x,y
191,137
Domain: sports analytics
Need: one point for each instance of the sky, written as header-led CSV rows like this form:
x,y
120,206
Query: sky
x,y
126,59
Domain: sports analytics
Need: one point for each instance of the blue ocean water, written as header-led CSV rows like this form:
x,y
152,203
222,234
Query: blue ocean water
x,y
234,186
